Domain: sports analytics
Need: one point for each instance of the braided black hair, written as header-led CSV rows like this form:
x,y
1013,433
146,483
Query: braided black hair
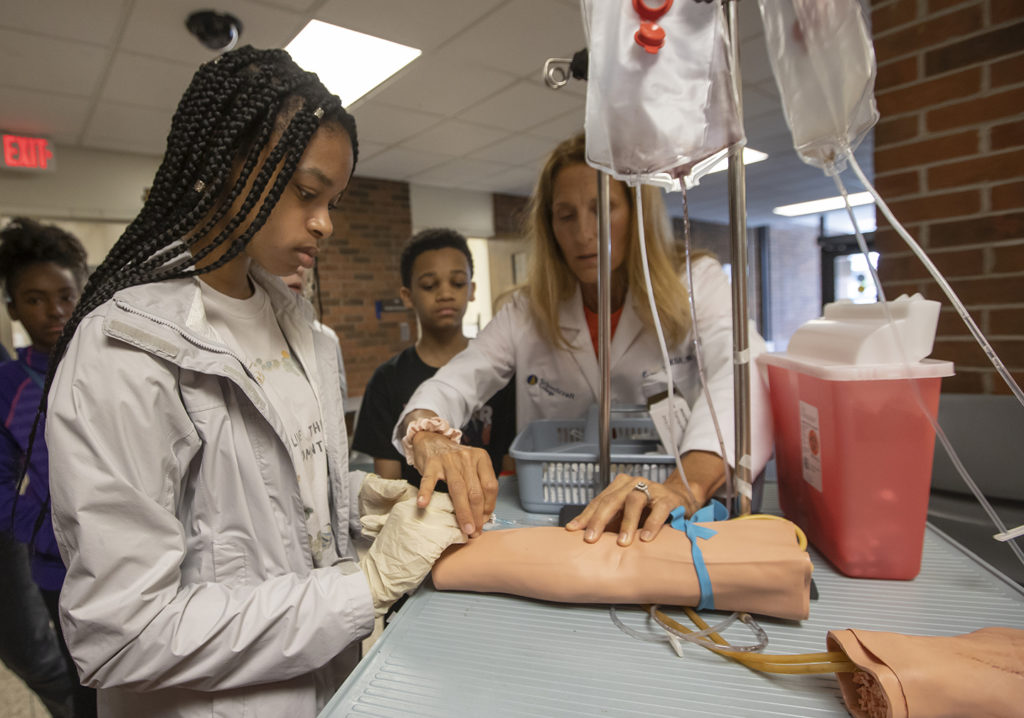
x,y
24,242
246,115
248,111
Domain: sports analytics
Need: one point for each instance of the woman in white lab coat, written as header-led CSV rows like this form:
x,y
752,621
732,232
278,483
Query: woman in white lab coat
x,y
547,337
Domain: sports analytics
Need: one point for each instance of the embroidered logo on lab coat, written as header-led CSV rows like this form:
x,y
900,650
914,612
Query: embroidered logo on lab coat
x,y
548,387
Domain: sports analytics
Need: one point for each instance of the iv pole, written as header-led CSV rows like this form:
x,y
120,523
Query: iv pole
x,y
556,74
742,481
604,331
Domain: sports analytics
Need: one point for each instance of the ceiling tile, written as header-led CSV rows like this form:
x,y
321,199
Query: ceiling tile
x,y
754,63
387,125
559,128
157,28
296,5
407,22
514,180
147,82
31,64
454,137
748,22
368,150
107,73
519,36
394,164
515,149
125,128
757,102
451,173
523,105
441,86
94,22
59,117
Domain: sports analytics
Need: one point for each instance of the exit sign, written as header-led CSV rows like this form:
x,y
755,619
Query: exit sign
x,y
24,152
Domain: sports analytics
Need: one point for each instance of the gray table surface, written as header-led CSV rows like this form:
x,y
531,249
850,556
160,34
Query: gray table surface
x,y
448,655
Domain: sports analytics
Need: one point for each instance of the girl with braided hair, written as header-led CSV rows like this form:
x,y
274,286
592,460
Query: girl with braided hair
x,y
201,496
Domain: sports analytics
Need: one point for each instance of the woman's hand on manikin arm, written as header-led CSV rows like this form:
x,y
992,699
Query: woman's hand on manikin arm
x,y
466,470
620,503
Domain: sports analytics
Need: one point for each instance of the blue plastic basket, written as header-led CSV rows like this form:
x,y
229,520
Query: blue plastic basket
x,y
557,459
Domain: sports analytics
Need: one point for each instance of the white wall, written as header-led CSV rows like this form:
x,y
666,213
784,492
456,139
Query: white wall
x,y
471,213
87,185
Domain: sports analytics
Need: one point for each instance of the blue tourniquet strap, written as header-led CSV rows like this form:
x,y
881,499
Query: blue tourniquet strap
x,y
714,511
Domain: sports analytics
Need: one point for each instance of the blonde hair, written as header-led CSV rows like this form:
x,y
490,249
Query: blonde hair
x,y
550,281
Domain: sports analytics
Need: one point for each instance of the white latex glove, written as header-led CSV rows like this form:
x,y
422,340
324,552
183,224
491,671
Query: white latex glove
x,y
377,496
408,544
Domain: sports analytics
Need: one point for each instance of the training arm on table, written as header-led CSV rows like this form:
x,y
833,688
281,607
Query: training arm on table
x,y
753,565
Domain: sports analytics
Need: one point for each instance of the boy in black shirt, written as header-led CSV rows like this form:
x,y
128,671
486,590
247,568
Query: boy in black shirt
x,y
437,284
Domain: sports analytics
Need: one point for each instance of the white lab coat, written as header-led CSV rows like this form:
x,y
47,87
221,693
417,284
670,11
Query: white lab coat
x,y
563,383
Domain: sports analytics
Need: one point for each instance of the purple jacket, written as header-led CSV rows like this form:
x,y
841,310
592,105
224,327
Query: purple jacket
x,y
20,391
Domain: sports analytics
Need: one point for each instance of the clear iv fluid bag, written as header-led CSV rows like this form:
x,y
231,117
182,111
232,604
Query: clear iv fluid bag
x,y
673,111
824,65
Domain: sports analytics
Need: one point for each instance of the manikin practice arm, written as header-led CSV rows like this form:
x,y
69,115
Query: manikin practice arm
x,y
754,566
976,674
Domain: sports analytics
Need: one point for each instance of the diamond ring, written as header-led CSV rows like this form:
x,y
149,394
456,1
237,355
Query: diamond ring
x,y
642,486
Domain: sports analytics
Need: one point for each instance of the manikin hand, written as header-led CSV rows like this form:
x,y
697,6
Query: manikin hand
x,y
468,472
406,546
620,500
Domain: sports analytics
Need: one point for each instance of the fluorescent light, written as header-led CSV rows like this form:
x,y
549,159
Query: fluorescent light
x,y
349,63
823,205
749,157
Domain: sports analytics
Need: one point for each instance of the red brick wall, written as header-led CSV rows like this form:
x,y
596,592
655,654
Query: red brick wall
x,y
509,215
360,266
949,160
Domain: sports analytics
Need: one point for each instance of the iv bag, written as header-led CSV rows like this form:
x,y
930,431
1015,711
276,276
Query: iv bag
x,y
824,66
673,111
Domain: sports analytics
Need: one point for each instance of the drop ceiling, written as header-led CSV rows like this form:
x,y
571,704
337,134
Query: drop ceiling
x,y
472,112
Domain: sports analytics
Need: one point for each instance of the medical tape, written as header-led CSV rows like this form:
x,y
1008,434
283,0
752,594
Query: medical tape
x,y
742,357
1010,534
714,511
744,487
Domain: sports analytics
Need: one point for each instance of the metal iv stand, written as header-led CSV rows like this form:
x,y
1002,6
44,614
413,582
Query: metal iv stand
x,y
741,478
557,72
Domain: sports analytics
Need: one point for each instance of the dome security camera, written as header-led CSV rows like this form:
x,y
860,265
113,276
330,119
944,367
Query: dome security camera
x,y
216,30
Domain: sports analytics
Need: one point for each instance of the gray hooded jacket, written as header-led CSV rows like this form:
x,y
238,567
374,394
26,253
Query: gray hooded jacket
x,y
190,588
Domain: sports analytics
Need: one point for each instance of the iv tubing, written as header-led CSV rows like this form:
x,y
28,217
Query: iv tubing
x,y
698,349
686,634
961,469
661,336
666,637
804,663
943,284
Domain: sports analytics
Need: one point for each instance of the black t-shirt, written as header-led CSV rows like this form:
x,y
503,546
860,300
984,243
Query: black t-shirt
x,y
492,427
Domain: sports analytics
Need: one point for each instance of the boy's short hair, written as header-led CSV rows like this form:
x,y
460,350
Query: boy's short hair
x,y
425,241
24,242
